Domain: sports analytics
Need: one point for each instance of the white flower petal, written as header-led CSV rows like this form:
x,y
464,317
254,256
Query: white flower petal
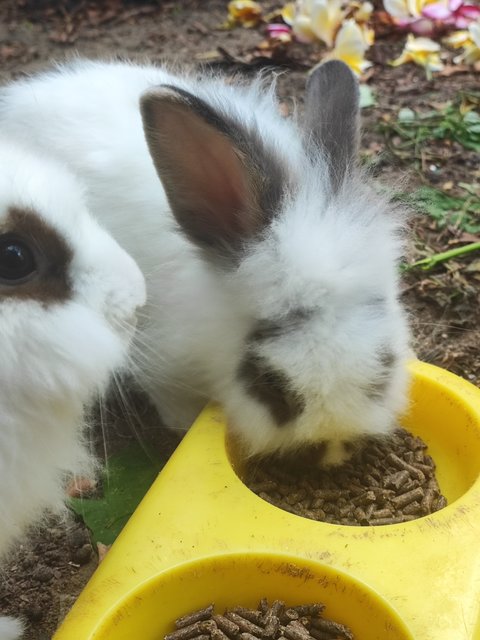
x,y
474,29
350,46
397,8
327,16
422,44
302,28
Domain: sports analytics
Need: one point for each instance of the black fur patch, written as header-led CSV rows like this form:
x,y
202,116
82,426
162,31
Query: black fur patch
x,y
377,389
272,388
387,359
267,329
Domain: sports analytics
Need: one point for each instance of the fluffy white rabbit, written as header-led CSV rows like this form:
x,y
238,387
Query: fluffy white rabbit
x,y
271,262
68,294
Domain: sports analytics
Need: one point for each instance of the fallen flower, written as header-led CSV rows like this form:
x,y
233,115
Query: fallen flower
x,y
427,17
469,40
317,20
351,44
405,9
288,13
452,13
245,12
280,32
407,14
362,11
421,51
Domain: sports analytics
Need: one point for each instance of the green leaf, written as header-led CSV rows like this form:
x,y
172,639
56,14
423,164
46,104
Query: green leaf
x,y
471,117
447,209
406,115
127,478
367,97
451,122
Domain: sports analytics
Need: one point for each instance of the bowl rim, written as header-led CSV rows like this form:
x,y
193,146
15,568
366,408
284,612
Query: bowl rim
x,y
309,569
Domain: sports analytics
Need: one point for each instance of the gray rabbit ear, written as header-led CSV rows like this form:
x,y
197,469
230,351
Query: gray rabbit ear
x,y
332,117
221,182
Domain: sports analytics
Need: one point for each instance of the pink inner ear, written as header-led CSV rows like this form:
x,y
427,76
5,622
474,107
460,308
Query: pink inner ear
x,y
217,176
202,172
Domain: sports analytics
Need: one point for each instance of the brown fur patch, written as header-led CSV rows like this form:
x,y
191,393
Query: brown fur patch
x,y
50,281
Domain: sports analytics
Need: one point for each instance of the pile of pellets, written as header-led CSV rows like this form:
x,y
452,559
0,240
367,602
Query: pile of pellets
x,y
388,481
275,622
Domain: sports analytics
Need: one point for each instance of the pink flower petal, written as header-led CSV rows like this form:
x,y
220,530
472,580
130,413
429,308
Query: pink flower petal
x,y
404,23
436,11
470,11
454,5
459,22
277,29
422,27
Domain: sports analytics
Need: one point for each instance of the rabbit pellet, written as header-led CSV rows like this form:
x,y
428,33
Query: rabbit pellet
x,y
388,481
267,622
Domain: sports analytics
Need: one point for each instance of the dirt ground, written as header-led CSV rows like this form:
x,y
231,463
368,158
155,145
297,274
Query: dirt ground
x,y
47,572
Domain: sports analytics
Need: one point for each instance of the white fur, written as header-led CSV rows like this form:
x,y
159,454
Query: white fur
x,y
336,256
10,629
55,356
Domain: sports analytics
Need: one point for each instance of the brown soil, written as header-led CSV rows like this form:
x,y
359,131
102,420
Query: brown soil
x,y
45,573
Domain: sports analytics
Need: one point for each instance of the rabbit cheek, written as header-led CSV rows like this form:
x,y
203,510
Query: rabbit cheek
x,y
272,388
48,280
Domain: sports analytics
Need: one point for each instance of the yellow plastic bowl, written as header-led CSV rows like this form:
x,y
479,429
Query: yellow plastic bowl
x,y
426,569
243,579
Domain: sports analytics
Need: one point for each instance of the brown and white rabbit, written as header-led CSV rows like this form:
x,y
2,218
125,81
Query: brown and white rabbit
x,y
68,295
271,261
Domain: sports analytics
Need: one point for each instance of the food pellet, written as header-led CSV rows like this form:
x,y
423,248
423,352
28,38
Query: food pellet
x,y
201,614
387,481
267,622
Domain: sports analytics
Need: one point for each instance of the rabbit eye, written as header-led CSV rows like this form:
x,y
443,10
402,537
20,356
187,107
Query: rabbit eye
x,y
17,261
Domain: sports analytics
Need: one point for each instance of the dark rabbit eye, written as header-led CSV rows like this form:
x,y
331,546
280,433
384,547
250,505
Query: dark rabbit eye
x,y
17,261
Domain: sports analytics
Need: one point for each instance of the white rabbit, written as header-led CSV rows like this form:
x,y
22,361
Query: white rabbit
x,y
68,294
271,262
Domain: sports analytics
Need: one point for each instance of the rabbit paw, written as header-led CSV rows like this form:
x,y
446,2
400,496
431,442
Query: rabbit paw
x,y
335,455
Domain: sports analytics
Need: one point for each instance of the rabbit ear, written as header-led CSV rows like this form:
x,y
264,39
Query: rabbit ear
x,y
332,116
222,184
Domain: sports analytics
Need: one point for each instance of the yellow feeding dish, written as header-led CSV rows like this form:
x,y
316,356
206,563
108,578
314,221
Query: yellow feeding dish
x,y
201,536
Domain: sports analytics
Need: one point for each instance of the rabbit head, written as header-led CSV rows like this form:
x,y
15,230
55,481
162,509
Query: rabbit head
x,y
68,295
309,252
